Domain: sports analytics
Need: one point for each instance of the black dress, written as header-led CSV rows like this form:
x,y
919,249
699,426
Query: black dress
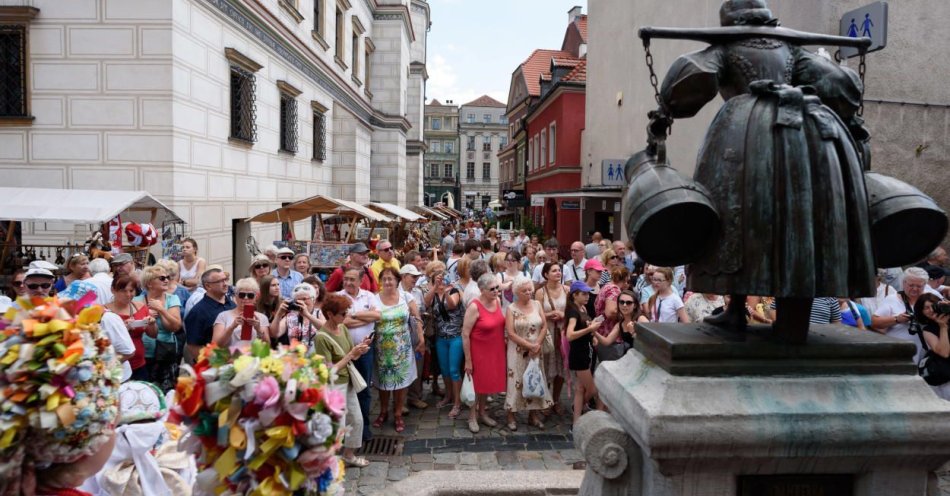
x,y
581,354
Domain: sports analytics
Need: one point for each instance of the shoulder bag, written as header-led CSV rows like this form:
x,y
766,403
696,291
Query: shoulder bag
x,y
356,379
933,368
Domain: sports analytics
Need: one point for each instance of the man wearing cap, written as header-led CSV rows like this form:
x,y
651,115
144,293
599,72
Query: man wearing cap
x,y
409,292
357,261
386,259
39,278
288,277
122,264
574,269
936,278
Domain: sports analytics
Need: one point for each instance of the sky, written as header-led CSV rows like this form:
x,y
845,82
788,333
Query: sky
x,y
475,45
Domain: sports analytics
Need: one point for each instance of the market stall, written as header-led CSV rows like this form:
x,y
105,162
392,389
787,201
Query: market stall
x,y
59,222
323,252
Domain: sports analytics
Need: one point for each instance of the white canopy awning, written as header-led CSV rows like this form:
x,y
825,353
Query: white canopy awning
x,y
395,210
319,204
428,212
78,206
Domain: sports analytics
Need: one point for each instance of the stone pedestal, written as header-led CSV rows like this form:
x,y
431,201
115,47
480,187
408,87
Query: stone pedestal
x,y
693,414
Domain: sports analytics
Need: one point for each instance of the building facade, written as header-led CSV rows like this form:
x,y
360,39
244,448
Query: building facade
x,y
442,154
907,102
222,109
483,131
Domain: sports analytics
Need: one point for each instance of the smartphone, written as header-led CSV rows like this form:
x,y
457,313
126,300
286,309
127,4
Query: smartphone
x,y
247,313
599,319
139,324
372,336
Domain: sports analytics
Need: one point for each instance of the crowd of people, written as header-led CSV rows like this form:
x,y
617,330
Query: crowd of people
x,y
473,308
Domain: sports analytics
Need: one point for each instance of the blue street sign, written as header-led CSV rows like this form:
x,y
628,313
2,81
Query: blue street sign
x,y
869,21
612,173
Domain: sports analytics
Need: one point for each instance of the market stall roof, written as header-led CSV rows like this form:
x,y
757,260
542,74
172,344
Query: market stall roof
x,y
395,211
449,211
428,212
78,206
318,204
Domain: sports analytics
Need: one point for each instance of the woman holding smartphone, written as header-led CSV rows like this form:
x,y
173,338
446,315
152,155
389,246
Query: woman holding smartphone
x,y
229,327
580,330
137,321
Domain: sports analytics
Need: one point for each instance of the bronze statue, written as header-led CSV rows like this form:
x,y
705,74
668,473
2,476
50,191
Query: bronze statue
x,y
779,162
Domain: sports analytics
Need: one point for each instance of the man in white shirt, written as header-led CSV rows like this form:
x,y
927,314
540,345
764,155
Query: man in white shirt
x,y
360,321
102,280
574,269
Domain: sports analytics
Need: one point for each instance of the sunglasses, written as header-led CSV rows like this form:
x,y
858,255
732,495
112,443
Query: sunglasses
x,y
286,257
163,278
17,284
494,288
246,296
262,266
615,257
386,249
35,286
625,302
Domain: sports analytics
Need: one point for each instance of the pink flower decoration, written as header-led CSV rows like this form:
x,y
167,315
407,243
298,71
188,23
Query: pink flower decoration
x,y
336,402
267,392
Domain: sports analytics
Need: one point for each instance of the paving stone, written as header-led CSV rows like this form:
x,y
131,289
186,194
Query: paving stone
x,y
443,466
370,490
398,461
371,481
551,456
352,473
570,455
418,467
486,457
376,469
421,458
397,474
467,467
533,464
452,458
468,459
425,433
528,455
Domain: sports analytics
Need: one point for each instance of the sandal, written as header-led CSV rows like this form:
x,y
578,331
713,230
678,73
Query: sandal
x,y
356,461
512,426
490,422
536,422
454,413
380,420
399,424
444,403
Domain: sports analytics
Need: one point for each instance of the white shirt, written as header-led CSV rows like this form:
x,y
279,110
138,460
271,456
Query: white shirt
x,y
364,301
574,272
227,317
115,329
536,276
871,303
892,306
103,283
667,307
471,293
193,300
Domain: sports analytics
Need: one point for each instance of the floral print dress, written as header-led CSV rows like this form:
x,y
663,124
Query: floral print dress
x,y
395,359
528,327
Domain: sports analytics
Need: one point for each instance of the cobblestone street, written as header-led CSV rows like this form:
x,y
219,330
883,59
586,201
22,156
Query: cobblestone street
x,y
432,441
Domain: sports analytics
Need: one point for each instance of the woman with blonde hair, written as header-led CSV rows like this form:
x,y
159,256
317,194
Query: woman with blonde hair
x,y
526,329
77,269
610,260
171,270
162,354
229,325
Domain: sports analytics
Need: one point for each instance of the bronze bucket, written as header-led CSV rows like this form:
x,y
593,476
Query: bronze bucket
x,y
671,219
906,225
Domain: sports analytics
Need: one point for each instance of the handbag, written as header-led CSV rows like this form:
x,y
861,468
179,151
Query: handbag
x,y
532,381
357,382
611,352
166,352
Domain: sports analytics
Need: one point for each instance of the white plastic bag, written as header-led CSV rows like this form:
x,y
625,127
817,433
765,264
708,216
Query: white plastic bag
x,y
532,385
468,390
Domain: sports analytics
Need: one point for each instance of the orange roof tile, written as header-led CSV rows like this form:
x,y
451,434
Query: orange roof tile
x,y
484,101
578,73
538,63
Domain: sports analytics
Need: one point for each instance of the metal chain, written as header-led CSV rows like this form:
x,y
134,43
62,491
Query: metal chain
x,y
862,69
653,79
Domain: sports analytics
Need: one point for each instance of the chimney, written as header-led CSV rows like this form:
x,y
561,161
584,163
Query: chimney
x,y
449,102
573,14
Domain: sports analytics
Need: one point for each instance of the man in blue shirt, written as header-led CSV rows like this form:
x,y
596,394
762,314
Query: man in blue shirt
x,y
199,323
289,278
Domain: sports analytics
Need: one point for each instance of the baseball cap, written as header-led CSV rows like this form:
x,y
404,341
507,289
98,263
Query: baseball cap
x,y
594,264
409,269
359,248
285,251
41,268
936,271
580,286
121,258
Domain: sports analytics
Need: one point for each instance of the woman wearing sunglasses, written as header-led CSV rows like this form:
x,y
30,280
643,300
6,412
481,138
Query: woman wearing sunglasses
x,y
229,325
17,286
161,353
627,312
610,260
483,342
665,305
260,267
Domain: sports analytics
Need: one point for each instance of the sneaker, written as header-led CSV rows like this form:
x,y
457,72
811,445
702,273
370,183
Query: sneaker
x,y
473,425
490,422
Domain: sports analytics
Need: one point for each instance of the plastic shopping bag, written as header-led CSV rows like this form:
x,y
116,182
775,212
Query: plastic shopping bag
x,y
468,390
533,381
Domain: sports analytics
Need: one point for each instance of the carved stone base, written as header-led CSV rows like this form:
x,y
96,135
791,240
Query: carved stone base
x,y
878,431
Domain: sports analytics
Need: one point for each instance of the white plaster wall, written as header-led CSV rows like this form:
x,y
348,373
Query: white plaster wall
x,y
389,175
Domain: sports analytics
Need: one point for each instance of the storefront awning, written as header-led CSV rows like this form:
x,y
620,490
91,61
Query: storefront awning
x,y
428,212
319,204
77,206
395,211
579,194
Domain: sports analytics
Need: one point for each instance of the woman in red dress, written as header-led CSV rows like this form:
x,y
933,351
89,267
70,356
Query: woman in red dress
x,y
137,321
483,340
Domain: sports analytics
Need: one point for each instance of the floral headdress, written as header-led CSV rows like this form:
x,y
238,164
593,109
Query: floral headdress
x,y
262,421
58,387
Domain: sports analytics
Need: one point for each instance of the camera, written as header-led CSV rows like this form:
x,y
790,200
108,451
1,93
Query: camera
x,y
292,306
941,308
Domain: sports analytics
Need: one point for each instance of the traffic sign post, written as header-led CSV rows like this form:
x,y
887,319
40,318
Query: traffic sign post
x,y
869,21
